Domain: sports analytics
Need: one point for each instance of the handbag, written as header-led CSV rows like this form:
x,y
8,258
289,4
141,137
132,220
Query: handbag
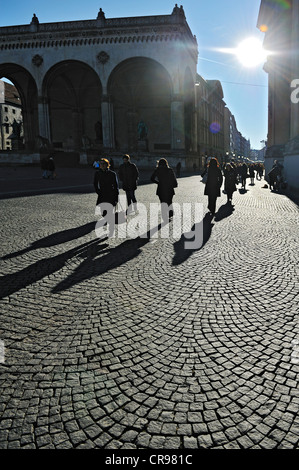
x,y
120,216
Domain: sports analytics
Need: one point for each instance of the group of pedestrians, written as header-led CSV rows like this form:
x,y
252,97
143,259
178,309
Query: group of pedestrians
x,y
107,187
233,174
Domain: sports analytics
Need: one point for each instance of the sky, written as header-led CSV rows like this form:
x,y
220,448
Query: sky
x,y
217,25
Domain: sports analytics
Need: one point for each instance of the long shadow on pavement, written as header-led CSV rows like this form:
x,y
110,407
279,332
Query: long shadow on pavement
x,y
224,211
11,283
55,239
97,257
111,258
183,247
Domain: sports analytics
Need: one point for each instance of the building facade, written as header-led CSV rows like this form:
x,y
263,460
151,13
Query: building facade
x,y
10,115
113,85
211,128
280,23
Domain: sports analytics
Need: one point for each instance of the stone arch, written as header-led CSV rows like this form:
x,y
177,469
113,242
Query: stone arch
x,y
141,89
73,91
27,89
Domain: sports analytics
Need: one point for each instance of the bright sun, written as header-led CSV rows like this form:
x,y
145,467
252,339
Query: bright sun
x,y
250,52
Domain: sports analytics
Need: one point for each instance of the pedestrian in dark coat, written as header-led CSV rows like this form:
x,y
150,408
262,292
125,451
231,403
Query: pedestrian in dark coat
x,y
128,174
106,184
243,175
51,168
213,184
251,173
165,178
229,182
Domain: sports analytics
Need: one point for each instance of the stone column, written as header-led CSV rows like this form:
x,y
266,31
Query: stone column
x,y
177,123
107,123
43,118
294,131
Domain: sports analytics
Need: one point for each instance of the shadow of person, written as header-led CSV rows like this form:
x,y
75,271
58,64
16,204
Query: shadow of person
x,y
185,247
111,258
224,211
55,239
98,258
11,283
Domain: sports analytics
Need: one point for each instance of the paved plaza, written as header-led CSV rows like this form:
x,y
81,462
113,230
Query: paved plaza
x,y
140,343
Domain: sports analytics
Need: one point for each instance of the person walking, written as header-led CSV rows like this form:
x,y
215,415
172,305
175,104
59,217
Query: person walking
x,y
128,175
213,184
251,174
178,169
229,182
243,175
106,186
51,168
166,180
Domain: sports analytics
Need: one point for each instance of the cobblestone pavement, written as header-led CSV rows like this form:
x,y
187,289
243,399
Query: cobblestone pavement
x,y
141,343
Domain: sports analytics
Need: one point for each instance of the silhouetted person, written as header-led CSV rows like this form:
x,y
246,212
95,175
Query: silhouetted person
x,y
243,175
51,168
106,186
251,173
165,178
178,169
128,174
213,184
229,182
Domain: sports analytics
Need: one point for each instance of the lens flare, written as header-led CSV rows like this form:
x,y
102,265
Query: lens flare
x,y
250,52
215,127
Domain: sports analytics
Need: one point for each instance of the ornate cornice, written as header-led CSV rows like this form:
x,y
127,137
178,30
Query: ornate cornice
x,y
140,29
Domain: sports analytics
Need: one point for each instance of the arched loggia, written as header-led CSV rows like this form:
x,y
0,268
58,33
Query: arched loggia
x,y
26,89
140,90
73,93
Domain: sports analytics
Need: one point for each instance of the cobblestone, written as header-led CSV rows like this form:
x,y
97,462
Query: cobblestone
x,y
141,343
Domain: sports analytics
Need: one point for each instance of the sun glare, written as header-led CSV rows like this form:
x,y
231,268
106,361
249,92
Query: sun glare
x,y
250,52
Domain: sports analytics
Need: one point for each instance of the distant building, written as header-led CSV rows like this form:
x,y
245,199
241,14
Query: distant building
x,y
280,22
10,111
210,118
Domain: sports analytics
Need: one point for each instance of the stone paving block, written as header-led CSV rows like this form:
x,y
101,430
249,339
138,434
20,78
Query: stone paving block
x,y
138,343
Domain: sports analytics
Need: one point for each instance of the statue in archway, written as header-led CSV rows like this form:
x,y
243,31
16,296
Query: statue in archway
x,y
98,131
142,130
16,130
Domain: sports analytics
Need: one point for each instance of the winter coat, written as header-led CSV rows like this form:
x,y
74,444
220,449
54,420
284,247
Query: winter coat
x,y
230,181
214,182
106,186
128,174
165,178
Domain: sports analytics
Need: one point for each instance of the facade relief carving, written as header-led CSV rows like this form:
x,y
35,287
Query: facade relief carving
x,y
103,57
37,60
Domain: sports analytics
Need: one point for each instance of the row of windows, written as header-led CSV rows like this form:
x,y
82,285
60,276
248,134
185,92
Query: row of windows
x,y
6,110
